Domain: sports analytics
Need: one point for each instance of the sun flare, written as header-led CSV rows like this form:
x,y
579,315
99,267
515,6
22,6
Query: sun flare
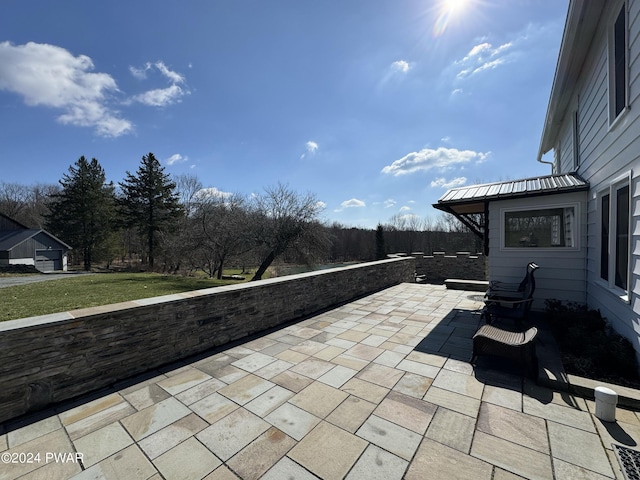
x,y
448,9
454,6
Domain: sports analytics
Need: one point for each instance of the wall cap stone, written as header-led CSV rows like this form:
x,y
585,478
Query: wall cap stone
x,y
77,314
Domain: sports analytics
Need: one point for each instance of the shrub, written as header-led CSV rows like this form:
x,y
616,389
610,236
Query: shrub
x,y
589,346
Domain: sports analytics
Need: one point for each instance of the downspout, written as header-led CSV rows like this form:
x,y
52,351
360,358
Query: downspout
x,y
546,162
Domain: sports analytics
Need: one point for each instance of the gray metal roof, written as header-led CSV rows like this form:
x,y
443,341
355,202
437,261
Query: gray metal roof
x,y
10,239
526,187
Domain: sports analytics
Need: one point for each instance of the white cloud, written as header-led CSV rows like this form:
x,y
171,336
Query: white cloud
x,y
401,66
321,205
354,202
50,76
405,209
211,192
427,158
175,77
527,47
351,203
395,72
478,50
454,182
176,158
484,56
311,147
390,202
140,73
159,97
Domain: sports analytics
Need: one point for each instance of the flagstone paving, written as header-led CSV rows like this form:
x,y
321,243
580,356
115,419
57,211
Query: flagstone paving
x,y
342,394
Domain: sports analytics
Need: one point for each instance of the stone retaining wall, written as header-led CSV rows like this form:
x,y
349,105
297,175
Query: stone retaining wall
x,y
438,267
47,359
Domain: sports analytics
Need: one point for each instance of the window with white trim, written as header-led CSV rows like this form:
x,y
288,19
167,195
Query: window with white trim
x,y
618,58
615,220
542,227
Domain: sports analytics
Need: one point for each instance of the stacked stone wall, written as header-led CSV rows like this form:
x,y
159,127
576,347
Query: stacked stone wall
x,y
438,267
48,359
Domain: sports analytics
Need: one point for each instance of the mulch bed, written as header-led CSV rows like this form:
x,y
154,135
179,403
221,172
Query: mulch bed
x,y
589,346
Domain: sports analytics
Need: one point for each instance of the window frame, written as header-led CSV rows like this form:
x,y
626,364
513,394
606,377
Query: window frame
x,y
576,139
577,227
608,279
616,116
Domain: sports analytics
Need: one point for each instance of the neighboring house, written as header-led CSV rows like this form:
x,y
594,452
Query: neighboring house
x,y
591,247
20,245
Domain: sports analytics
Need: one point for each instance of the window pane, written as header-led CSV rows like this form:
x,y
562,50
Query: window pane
x,y
622,236
552,227
604,238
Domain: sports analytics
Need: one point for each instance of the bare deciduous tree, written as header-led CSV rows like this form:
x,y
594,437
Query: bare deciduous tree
x,y
14,199
220,225
187,188
27,204
283,219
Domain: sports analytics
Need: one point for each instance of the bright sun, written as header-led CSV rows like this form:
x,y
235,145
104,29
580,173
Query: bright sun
x,y
449,9
454,6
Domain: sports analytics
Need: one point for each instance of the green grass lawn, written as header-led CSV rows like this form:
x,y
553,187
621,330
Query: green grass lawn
x,y
93,290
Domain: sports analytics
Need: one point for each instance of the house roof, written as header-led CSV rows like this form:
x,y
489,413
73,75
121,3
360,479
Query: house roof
x,y
472,199
579,29
10,239
12,221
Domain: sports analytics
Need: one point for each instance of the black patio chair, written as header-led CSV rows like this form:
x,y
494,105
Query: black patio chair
x,y
513,291
512,308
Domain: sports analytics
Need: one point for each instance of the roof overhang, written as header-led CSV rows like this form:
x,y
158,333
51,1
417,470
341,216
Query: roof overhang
x,y
582,21
474,198
470,204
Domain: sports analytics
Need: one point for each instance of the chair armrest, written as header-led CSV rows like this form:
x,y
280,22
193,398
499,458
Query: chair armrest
x,y
508,303
503,295
510,287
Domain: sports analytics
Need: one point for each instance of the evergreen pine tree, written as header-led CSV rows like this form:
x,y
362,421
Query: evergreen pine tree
x,y
380,247
149,202
82,213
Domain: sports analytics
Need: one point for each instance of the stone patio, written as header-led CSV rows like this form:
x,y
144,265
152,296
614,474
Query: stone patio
x,y
340,395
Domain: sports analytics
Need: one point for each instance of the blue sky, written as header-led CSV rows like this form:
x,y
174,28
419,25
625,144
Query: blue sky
x,y
376,106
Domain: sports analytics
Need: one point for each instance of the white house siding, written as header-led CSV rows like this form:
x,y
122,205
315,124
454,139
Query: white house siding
x,y
590,101
608,153
566,148
21,261
562,271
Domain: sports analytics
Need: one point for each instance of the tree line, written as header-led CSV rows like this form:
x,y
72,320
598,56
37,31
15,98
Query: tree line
x,y
174,224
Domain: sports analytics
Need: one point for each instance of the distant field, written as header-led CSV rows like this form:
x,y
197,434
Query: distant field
x,y
93,290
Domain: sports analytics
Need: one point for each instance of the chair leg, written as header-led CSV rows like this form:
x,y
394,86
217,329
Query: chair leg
x,y
529,361
534,367
486,316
